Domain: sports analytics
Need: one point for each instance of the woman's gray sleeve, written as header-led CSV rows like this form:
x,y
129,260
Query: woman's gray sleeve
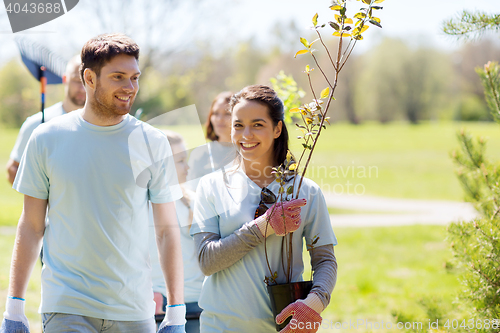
x,y
324,266
216,253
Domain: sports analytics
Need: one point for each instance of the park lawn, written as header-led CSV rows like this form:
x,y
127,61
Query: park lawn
x,y
396,160
384,270
11,202
381,270
33,292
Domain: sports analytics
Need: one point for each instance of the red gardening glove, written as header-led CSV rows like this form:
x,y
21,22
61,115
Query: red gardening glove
x,y
291,210
305,315
158,298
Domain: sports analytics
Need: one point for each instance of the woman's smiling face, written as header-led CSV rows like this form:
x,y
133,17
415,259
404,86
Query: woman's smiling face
x,y
253,131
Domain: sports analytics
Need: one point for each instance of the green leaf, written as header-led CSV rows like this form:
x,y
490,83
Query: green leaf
x,y
360,15
377,7
347,28
334,25
325,92
304,42
374,22
315,19
281,190
289,190
301,52
367,1
343,10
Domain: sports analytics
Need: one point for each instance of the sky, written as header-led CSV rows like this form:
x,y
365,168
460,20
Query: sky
x,y
418,22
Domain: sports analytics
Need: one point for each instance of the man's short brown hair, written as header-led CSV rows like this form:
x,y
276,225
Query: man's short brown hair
x,y
101,49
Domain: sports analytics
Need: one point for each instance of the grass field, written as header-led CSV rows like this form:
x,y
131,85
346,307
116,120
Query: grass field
x,y
396,160
381,271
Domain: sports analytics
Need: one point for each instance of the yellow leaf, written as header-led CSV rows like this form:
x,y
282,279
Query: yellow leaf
x,y
294,110
337,7
338,18
308,69
348,21
346,35
360,15
325,92
315,19
336,34
309,121
379,1
375,19
366,1
292,167
359,30
301,52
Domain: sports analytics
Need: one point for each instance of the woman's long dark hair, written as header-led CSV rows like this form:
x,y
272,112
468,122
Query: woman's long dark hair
x,y
268,97
224,96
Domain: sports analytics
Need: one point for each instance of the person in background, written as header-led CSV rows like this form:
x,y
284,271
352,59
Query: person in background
x,y
193,277
230,226
74,98
219,152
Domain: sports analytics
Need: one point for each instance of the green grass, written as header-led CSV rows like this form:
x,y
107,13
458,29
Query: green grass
x,y
342,211
33,293
381,270
11,202
395,160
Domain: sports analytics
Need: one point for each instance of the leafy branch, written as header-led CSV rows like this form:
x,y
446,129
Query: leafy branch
x,y
471,25
314,114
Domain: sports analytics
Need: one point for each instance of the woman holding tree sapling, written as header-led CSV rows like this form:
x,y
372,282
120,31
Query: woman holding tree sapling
x,y
232,208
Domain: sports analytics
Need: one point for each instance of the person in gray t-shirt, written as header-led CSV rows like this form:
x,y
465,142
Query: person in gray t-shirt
x,y
74,98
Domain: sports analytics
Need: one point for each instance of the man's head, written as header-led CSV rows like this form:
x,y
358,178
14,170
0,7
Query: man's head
x,y
101,49
74,91
110,73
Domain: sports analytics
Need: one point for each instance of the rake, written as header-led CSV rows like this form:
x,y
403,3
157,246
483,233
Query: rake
x,y
43,64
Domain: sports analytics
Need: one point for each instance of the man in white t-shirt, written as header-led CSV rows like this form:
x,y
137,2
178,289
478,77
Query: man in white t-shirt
x,y
95,170
74,98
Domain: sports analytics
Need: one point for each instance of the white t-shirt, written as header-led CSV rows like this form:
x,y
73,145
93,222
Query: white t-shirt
x,y
98,181
193,276
29,126
235,299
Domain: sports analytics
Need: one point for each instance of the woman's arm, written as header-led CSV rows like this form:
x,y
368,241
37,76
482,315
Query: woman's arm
x,y
324,266
216,253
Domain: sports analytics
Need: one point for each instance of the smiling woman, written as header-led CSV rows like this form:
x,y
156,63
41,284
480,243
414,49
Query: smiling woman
x,y
230,226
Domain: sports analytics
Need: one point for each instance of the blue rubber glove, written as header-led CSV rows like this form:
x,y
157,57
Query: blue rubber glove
x,y
14,319
174,321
